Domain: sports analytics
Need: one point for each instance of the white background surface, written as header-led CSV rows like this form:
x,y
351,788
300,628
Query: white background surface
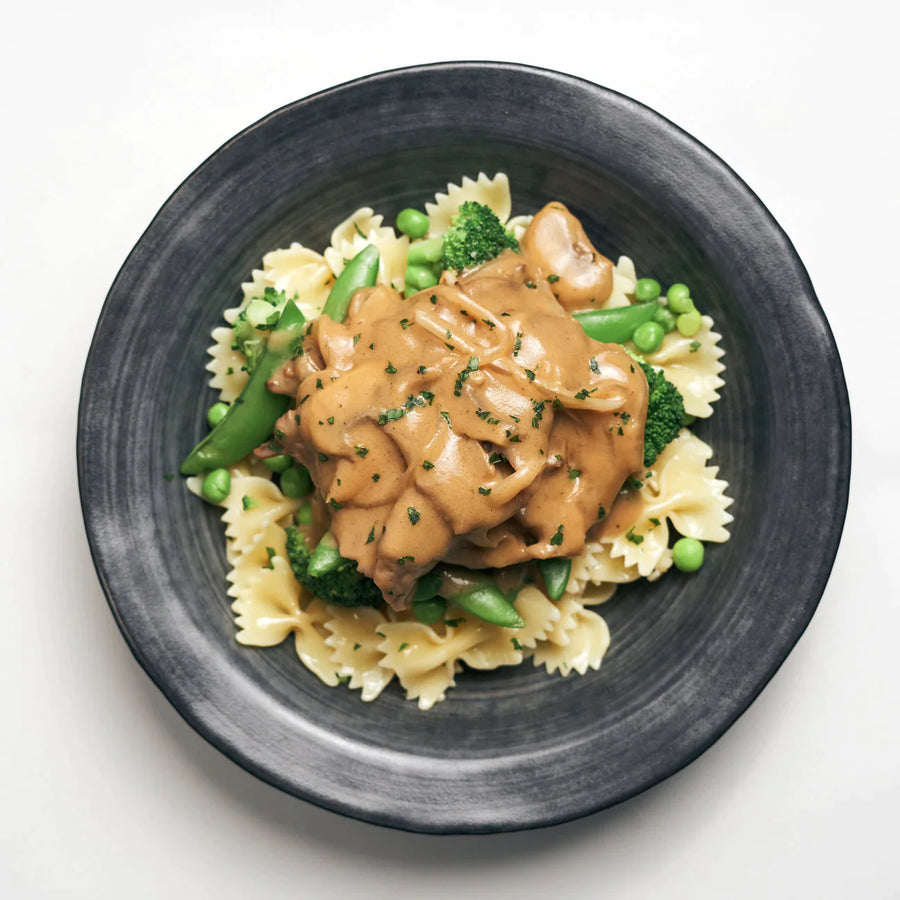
x,y
106,792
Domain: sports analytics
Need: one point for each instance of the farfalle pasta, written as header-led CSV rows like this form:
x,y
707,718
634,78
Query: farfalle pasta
x,y
628,536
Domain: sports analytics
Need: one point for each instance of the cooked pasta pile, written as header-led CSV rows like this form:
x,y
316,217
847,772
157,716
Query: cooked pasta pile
x,y
367,648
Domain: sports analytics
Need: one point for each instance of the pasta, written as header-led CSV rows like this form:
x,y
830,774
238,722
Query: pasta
x,y
366,648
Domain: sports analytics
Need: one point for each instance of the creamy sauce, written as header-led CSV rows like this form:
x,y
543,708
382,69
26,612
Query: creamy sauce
x,y
474,423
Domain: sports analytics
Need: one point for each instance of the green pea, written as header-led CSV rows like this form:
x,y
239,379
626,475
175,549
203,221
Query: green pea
x,y
679,297
216,486
216,413
409,291
648,337
687,554
296,483
423,252
689,323
326,557
646,289
430,611
278,463
413,223
420,277
665,318
304,515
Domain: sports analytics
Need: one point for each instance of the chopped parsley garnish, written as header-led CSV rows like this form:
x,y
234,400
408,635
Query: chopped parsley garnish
x,y
531,284
391,415
574,473
557,538
414,515
584,393
323,457
601,513
484,491
464,374
391,369
427,464
454,623
517,346
376,477
595,366
403,560
489,323
334,504
482,413
553,278
405,323
493,421
248,502
557,403
303,401
357,646
624,416
516,644
529,374
358,230
421,370
635,539
318,384
495,458
445,416
270,552
694,346
330,420
356,338
433,298
654,521
538,406
361,451
403,646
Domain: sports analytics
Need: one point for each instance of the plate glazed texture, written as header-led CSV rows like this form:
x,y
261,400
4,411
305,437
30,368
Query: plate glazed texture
x,y
514,748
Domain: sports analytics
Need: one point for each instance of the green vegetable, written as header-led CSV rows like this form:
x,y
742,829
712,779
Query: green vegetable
x,y
423,253
475,236
216,486
646,289
555,573
689,323
304,514
326,557
665,318
679,297
489,603
420,277
617,324
253,324
648,337
430,611
296,482
253,414
216,413
360,272
665,413
413,223
343,586
687,554
278,463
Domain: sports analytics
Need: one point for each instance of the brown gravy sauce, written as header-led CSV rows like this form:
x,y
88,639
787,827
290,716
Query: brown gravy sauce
x,y
475,422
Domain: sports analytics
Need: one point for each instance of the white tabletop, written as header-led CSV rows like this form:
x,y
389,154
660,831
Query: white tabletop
x,y
106,792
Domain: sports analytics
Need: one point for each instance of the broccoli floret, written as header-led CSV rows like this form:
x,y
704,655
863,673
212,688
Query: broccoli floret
x,y
665,413
475,236
253,323
343,587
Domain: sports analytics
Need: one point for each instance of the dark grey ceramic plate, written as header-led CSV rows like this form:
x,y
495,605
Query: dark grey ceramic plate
x,y
514,748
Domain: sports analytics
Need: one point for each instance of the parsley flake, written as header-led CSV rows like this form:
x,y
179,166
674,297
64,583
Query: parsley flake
x,y
636,539
557,538
414,515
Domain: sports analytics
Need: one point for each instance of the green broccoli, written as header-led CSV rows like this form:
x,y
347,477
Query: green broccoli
x,y
475,236
342,587
257,318
665,413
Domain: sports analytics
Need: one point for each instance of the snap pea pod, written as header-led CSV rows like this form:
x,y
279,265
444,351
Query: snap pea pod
x,y
252,416
555,573
471,591
618,324
360,272
326,557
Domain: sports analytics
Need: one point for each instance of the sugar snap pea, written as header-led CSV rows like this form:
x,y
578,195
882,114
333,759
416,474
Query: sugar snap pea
x,y
555,573
252,416
326,557
617,324
360,272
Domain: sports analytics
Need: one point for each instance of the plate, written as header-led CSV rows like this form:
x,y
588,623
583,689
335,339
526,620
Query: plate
x,y
514,748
